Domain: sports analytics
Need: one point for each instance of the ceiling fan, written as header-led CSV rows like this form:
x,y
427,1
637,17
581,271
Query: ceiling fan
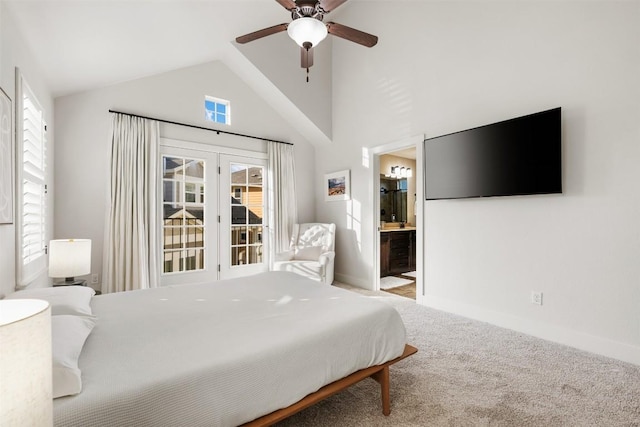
x,y
308,29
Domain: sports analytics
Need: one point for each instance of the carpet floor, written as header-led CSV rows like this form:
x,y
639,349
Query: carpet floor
x,y
469,373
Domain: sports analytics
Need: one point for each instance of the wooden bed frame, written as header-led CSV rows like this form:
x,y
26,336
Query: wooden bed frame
x,y
380,373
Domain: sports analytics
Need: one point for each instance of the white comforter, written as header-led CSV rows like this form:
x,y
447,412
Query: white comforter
x,y
223,353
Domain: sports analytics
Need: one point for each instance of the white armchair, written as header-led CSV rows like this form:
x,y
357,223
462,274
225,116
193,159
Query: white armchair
x,y
311,252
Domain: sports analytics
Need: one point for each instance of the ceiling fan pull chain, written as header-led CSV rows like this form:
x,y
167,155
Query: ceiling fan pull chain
x,y
307,74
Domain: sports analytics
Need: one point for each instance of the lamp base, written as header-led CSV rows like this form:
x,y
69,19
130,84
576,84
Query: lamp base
x,y
71,282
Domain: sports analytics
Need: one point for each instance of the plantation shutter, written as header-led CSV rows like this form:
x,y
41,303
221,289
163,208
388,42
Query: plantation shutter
x,y
32,241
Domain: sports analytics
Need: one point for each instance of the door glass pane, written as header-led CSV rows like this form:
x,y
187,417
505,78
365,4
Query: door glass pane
x,y
173,214
255,176
172,261
183,214
172,167
238,174
255,215
255,254
194,260
173,238
172,191
194,170
238,215
194,237
239,255
255,235
195,215
238,235
247,208
236,195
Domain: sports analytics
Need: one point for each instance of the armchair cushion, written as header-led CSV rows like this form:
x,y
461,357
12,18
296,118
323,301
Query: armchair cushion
x,y
284,256
309,253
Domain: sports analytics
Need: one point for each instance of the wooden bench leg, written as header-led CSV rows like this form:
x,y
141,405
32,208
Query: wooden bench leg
x,y
382,377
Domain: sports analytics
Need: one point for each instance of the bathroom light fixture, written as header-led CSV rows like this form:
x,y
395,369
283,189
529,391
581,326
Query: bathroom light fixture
x,y
401,172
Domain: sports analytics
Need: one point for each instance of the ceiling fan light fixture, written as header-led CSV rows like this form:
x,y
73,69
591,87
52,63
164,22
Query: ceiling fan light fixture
x,y
307,30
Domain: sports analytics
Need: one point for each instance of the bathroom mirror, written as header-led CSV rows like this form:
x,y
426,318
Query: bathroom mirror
x,y
393,199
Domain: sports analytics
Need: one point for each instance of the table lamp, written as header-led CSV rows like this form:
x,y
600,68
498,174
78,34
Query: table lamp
x,y
69,258
25,363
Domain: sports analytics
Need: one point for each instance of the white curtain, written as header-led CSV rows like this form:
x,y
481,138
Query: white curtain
x,y
282,196
131,251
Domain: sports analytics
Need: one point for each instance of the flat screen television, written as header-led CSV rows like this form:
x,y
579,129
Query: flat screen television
x,y
515,157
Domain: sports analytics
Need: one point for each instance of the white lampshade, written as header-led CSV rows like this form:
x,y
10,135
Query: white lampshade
x,y
25,363
69,258
309,30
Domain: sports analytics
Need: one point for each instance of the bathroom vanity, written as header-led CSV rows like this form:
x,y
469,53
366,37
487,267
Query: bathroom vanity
x,y
397,250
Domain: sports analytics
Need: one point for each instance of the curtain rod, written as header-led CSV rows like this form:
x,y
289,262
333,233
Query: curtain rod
x,y
200,127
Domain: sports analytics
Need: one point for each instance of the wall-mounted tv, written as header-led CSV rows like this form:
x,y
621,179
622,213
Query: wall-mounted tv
x,y
515,157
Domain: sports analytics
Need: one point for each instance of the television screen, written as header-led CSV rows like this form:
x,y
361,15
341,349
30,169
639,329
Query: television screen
x,y
514,157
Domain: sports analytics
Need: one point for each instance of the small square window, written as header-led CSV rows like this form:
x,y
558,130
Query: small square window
x,y
217,110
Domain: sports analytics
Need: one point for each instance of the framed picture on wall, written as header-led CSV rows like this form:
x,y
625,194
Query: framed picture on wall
x,y
337,186
6,159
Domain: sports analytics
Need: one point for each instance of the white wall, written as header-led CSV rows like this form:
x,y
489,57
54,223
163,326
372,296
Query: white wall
x,y
83,131
449,66
14,52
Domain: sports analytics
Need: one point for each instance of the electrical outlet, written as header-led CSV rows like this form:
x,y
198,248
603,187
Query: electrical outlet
x,y
536,297
94,279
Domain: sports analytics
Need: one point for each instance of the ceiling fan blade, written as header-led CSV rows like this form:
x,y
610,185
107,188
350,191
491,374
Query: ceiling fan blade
x,y
329,5
351,34
261,33
306,57
287,4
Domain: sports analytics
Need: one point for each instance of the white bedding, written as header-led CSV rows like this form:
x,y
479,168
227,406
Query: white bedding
x,y
223,353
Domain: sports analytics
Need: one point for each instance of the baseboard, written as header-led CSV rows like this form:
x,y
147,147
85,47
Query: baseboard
x,y
591,343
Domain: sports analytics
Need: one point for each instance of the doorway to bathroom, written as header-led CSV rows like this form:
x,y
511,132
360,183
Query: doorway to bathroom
x,y
398,218
398,222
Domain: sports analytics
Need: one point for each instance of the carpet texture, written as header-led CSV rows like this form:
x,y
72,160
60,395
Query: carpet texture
x,y
469,373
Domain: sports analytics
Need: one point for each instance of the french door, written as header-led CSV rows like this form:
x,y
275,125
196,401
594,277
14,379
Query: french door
x,y
213,214
243,242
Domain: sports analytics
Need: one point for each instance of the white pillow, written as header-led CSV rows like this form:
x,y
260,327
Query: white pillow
x,y
68,334
311,253
63,299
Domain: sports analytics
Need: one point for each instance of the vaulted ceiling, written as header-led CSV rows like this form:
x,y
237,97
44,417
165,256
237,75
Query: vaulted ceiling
x,y
85,44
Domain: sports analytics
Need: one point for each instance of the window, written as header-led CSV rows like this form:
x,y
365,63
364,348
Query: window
x,y
217,110
183,214
32,135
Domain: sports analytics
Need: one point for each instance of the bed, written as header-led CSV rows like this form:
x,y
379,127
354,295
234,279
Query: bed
x,y
228,353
